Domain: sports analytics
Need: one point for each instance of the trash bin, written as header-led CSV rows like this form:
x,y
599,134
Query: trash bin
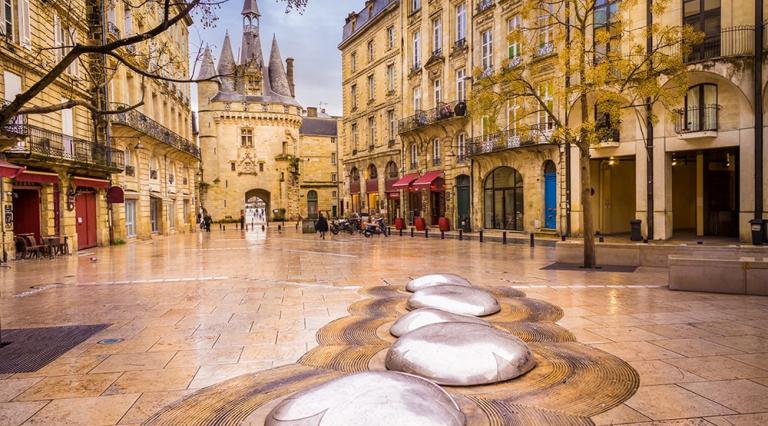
x,y
758,231
637,235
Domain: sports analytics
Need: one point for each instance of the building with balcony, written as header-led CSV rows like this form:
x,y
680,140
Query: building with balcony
x,y
57,168
372,79
162,159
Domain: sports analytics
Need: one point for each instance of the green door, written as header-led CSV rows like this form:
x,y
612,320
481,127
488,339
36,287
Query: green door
x,y
462,202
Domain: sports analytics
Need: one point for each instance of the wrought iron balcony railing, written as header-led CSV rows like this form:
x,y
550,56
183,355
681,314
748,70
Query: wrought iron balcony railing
x,y
17,126
508,139
732,42
545,49
445,111
391,143
697,119
459,44
130,171
113,31
483,5
140,122
52,146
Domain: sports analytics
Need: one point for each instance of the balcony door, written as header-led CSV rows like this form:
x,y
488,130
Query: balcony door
x,y
704,16
701,108
67,131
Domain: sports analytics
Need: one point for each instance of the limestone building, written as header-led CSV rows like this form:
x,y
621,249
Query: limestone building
x,y
704,174
261,155
372,87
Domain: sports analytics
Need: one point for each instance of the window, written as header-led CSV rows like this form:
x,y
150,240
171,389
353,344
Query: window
x,y
390,78
127,20
185,211
436,152
461,143
392,172
23,36
353,96
353,62
64,38
487,50
704,16
437,36
607,128
261,167
416,51
545,91
461,22
172,214
9,20
371,88
371,131
414,157
437,91
415,6
233,166
130,218
513,110
417,98
334,177
546,42
370,51
312,204
461,84
391,125
503,200
129,170
153,168
605,16
333,158
390,38
701,108
246,138
355,136
513,25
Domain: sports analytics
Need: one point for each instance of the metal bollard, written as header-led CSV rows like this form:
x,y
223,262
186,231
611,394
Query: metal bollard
x,y
601,238
533,241
279,228
461,235
401,232
263,228
504,238
442,234
426,232
481,235
412,232
389,231
224,227
562,238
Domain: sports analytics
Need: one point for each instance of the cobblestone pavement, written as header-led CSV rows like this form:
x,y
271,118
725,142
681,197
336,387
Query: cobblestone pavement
x,y
196,310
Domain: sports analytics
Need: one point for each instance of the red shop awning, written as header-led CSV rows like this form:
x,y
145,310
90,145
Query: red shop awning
x,y
371,185
426,181
8,170
37,177
115,195
90,182
354,187
405,181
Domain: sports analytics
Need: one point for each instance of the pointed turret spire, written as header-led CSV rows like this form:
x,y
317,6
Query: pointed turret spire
x,y
251,7
227,66
207,68
277,76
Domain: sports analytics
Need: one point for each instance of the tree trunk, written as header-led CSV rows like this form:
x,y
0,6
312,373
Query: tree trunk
x,y
586,204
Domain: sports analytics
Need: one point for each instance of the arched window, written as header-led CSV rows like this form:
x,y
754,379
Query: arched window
x,y
414,156
392,172
503,199
372,172
354,174
435,152
312,204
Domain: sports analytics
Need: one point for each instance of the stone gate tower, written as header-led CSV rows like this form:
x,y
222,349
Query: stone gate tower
x,y
249,123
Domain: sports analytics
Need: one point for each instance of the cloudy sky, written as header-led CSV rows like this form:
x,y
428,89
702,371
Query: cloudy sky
x,y
310,37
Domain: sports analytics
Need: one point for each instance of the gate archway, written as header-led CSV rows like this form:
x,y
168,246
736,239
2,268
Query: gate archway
x,y
257,206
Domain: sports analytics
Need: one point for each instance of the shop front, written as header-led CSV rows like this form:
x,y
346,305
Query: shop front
x,y
86,218
433,184
393,200
414,197
354,190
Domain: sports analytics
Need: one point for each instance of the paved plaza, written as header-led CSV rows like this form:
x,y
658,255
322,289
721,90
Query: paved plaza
x,y
187,312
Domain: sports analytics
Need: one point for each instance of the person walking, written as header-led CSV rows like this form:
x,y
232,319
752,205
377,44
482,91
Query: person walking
x,y
298,222
208,221
321,225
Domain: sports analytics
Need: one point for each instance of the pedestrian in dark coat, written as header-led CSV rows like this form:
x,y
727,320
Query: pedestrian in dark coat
x,y
321,225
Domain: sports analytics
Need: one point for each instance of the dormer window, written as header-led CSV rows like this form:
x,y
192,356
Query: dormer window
x,y
253,85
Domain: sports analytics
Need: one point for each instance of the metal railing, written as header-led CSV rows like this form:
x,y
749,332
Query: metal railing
x,y
17,126
113,31
459,44
437,53
508,139
697,119
150,127
56,146
445,111
732,42
483,5
545,49
391,143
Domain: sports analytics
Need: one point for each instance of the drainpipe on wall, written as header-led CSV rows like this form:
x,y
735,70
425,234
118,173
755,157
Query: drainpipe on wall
x,y
758,225
649,127
568,144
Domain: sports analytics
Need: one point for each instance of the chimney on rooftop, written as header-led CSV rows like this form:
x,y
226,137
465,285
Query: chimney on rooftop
x,y
312,112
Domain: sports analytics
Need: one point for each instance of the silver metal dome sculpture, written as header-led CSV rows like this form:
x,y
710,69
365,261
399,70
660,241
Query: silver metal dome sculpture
x,y
433,280
461,354
455,299
427,316
370,399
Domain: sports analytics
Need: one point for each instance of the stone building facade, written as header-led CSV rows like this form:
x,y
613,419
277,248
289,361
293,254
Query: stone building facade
x,y
372,86
250,136
320,165
704,164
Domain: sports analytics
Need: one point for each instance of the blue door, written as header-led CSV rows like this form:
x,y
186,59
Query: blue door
x,y
550,196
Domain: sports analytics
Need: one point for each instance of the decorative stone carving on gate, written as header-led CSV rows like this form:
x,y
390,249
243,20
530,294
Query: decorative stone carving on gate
x,y
247,163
